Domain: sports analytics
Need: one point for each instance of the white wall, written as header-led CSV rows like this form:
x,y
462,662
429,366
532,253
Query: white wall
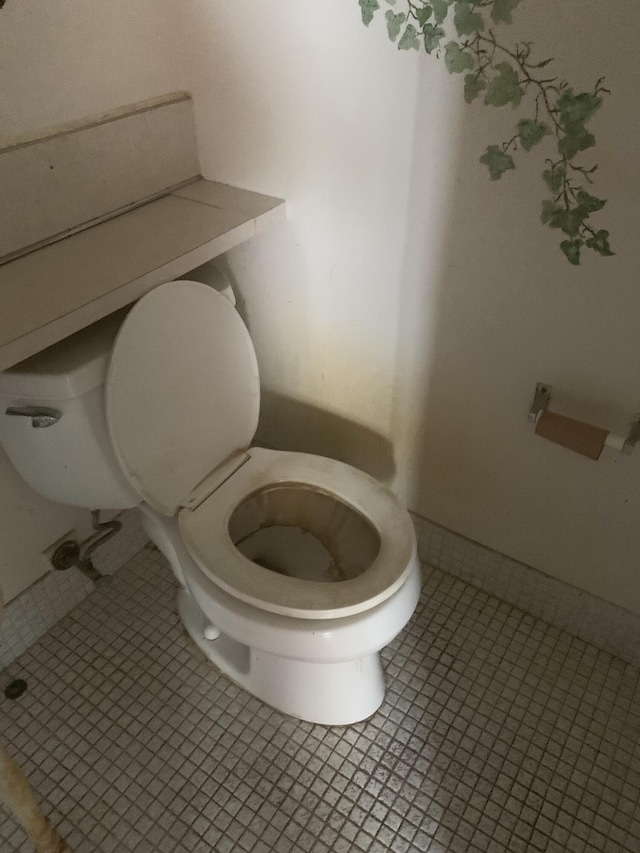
x,y
409,298
63,60
404,314
507,310
291,103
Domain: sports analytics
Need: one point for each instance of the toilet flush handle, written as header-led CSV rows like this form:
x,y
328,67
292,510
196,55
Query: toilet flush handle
x,y
41,416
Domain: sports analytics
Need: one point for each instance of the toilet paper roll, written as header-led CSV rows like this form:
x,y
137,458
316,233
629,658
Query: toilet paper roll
x,y
574,435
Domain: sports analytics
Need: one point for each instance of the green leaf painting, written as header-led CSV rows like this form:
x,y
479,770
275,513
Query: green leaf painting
x,y
571,248
531,132
576,109
497,161
473,85
423,15
589,202
501,11
394,24
456,59
409,39
440,9
467,21
504,88
555,176
600,243
467,35
432,36
368,8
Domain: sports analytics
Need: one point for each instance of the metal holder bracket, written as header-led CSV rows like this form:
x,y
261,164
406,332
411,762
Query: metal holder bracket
x,y
542,398
540,401
633,437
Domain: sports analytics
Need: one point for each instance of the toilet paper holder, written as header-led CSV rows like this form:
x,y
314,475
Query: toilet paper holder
x,y
540,404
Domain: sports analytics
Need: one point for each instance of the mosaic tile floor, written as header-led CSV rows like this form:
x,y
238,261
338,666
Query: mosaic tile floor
x,y
498,734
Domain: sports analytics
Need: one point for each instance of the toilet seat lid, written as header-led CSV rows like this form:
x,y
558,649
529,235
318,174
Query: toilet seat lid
x,y
182,391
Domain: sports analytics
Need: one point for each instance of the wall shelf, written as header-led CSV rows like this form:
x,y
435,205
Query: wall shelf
x,y
59,289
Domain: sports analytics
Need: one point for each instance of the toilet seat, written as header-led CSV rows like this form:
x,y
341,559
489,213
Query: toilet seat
x,y
182,402
205,533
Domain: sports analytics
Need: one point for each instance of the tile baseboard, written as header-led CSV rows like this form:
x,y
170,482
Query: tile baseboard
x,y
28,616
592,619
606,625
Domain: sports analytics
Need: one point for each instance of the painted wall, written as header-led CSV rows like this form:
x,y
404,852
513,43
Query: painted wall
x,y
284,103
507,311
59,62
404,314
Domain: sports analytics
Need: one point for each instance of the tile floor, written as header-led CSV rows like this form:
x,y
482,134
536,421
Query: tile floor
x,y
498,733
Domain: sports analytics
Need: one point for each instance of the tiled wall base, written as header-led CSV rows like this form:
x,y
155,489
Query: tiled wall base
x,y
594,620
582,614
45,602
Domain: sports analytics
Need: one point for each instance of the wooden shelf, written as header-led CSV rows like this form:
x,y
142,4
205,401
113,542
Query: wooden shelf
x,y
59,289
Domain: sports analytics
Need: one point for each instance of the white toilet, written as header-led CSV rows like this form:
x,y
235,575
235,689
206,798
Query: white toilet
x,y
295,570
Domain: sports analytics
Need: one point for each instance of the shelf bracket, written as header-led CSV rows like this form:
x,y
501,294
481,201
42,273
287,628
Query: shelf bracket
x,y
540,401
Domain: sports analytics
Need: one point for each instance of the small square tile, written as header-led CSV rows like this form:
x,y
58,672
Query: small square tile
x,y
498,733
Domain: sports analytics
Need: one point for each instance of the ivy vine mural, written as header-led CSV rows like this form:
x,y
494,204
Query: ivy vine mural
x,y
466,34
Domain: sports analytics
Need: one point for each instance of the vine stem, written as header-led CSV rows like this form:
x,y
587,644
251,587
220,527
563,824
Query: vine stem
x,y
507,145
568,209
523,68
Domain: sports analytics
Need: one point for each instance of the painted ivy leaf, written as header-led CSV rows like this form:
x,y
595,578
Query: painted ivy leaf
x,y
600,244
502,9
394,24
368,9
432,36
531,132
456,59
497,161
558,218
571,248
590,202
577,138
473,85
440,9
504,88
568,220
423,15
409,39
549,207
554,177
466,20
576,109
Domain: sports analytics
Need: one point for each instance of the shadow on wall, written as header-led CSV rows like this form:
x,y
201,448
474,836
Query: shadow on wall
x,y
310,429
287,423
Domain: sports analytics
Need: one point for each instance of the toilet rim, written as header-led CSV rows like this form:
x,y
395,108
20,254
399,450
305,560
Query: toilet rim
x,y
204,531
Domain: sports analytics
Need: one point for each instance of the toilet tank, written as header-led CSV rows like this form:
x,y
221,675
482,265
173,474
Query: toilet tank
x,y
72,460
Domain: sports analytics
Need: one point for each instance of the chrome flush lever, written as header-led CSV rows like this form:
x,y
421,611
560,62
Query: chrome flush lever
x,y
41,416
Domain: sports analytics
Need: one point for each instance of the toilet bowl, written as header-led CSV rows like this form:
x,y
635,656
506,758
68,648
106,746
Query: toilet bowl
x,y
295,570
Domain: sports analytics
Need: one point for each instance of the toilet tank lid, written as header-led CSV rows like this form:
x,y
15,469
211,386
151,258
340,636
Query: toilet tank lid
x,y
69,368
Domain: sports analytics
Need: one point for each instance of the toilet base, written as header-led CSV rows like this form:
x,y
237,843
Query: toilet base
x,y
333,694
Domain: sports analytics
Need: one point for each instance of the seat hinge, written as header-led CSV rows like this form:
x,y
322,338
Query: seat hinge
x,y
214,480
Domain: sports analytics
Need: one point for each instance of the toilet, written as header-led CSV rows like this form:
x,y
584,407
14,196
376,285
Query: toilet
x,y
294,570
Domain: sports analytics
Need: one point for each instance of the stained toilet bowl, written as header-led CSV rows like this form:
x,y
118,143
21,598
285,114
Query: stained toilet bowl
x,y
307,645
301,535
